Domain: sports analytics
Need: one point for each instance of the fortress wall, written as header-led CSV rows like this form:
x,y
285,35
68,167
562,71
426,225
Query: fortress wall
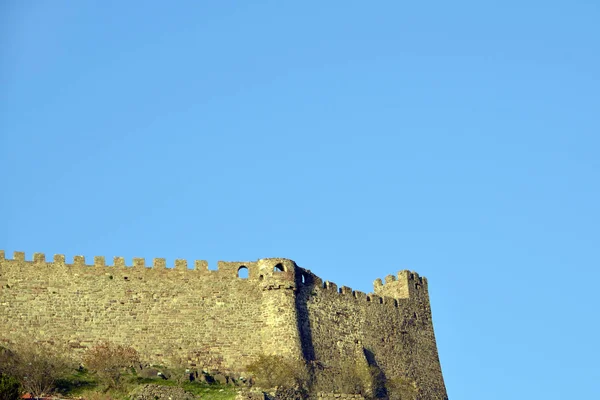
x,y
219,320
157,310
393,332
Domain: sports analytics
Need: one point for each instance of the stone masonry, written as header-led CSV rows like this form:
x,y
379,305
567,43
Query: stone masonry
x,y
220,321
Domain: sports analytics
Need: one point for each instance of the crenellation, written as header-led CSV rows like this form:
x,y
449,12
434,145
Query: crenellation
x,y
345,290
330,286
99,261
39,258
414,277
377,283
359,295
139,262
79,261
201,265
119,262
404,285
159,263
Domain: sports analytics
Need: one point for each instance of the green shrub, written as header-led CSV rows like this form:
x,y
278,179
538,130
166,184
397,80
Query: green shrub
x,y
8,360
36,365
10,388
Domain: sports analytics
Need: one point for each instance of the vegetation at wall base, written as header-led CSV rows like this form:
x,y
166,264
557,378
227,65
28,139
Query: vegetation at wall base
x,y
34,368
115,372
10,388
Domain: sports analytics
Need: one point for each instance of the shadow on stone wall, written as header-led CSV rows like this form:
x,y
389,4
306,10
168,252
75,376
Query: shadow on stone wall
x,y
379,379
302,320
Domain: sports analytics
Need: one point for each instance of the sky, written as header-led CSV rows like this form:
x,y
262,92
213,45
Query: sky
x,y
456,139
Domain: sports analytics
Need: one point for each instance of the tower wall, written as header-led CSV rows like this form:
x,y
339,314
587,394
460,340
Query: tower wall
x,y
390,329
280,334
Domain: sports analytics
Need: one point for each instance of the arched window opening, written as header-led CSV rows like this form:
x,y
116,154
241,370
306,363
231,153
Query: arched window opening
x,y
278,268
260,278
368,298
242,272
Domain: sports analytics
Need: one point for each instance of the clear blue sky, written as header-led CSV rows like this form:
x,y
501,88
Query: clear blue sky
x,y
457,139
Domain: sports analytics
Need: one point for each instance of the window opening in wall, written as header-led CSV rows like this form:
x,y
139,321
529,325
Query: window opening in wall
x,y
368,298
278,268
243,272
260,278
303,279
126,278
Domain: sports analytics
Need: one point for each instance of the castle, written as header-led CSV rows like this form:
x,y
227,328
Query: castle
x,y
218,317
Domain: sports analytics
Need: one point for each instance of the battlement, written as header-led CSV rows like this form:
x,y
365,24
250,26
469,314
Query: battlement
x,y
282,269
344,292
407,284
386,292
100,261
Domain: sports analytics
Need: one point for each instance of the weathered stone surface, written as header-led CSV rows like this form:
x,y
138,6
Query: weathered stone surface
x,y
337,396
148,373
220,378
218,321
157,392
288,393
250,395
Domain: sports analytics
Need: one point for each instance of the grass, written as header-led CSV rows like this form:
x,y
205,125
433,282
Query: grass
x,y
77,383
82,384
212,391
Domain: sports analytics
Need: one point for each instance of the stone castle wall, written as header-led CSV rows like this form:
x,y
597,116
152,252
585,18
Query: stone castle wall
x,y
222,321
384,330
